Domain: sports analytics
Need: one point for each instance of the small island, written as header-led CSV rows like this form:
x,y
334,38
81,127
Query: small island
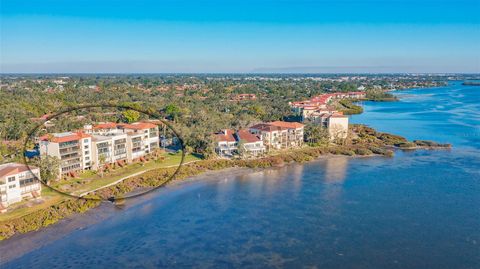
x,y
471,83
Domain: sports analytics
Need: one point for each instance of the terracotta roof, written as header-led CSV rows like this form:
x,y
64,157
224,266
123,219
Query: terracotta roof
x,y
106,125
225,135
323,99
247,136
138,125
285,124
13,168
337,115
64,137
267,127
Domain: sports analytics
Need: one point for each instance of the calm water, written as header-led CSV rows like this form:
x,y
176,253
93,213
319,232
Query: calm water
x,y
417,210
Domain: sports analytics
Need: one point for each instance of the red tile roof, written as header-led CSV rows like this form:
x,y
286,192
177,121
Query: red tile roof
x,y
247,136
139,125
225,135
67,138
13,168
267,127
106,125
285,124
323,99
337,115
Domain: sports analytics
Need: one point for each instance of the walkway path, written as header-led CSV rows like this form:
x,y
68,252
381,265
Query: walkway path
x,y
132,175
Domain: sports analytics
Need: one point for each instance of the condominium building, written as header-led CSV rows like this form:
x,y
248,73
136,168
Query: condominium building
x,y
274,137
144,137
230,142
226,143
337,124
316,105
72,148
18,182
249,144
141,138
279,134
99,145
108,149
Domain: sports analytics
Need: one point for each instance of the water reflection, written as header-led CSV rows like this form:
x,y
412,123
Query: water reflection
x,y
416,210
336,169
334,177
297,175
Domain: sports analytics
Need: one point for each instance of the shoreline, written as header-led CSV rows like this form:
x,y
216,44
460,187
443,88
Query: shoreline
x,y
384,144
19,245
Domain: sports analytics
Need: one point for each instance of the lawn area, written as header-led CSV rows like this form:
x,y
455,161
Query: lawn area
x,y
91,181
49,196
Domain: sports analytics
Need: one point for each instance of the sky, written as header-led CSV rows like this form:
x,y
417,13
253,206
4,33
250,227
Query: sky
x,y
270,36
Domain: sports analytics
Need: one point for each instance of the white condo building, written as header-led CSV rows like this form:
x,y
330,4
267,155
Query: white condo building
x,y
17,182
100,145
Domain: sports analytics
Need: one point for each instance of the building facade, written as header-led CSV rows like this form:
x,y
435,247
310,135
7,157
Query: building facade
x,y
226,143
18,182
100,145
279,134
249,144
73,149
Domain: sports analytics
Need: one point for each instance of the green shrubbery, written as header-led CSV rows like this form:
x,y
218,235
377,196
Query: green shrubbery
x,y
430,144
367,142
406,145
45,217
349,107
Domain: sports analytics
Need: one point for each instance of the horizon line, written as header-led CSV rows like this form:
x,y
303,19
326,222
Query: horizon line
x,y
236,73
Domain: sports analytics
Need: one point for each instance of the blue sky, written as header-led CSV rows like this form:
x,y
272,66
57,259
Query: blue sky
x,y
240,36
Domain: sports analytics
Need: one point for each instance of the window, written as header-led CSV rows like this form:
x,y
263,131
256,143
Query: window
x,y
87,152
85,140
11,179
87,158
27,181
85,147
12,186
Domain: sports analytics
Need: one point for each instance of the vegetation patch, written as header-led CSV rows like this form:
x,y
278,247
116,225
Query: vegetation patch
x,y
362,141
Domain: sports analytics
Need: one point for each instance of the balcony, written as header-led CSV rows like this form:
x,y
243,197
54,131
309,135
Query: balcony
x,y
70,161
120,151
120,142
68,144
69,156
69,150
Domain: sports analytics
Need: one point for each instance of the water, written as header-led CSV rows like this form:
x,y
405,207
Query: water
x,y
420,209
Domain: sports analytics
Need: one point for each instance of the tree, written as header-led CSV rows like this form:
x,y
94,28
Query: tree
x,y
172,111
101,164
242,151
316,135
337,134
49,167
130,116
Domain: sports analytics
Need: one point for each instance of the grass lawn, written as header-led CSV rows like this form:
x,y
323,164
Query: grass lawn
x,y
52,197
49,196
91,181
